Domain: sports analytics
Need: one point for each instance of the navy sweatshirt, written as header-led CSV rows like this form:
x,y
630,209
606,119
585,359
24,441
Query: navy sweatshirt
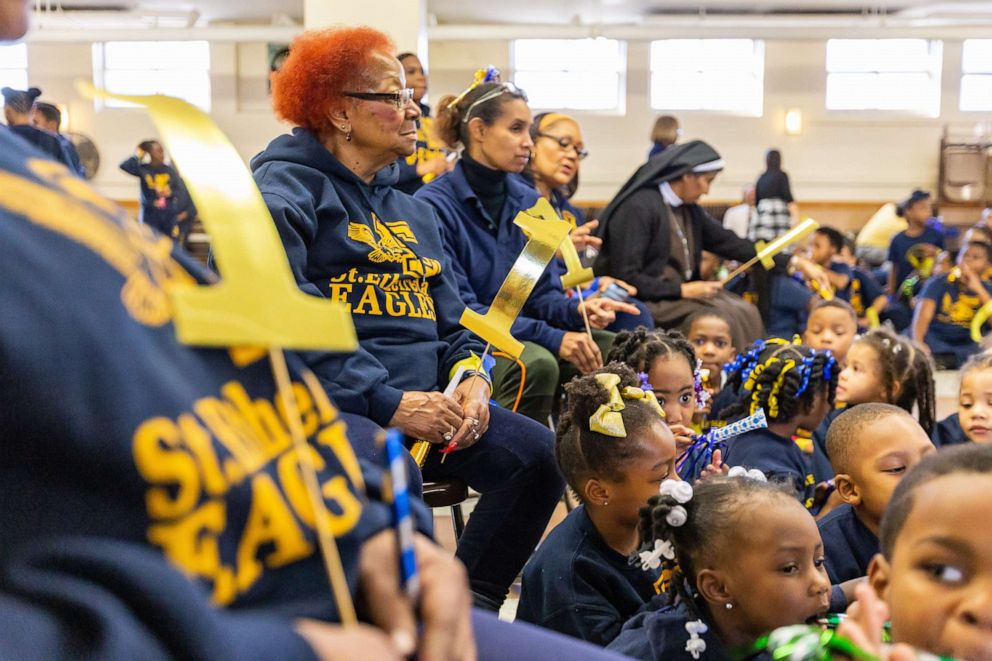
x,y
89,598
112,429
777,457
660,635
482,250
380,252
949,432
848,545
163,194
577,585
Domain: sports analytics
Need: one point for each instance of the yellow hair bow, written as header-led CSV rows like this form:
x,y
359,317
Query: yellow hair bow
x,y
607,419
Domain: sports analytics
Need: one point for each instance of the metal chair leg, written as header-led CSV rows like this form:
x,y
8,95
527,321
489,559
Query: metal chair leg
x,y
457,520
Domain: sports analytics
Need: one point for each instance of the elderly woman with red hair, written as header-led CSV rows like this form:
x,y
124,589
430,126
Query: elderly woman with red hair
x,y
350,236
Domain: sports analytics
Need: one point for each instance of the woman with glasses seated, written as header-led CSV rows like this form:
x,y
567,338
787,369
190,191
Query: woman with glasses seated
x,y
554,171
350,236
477,202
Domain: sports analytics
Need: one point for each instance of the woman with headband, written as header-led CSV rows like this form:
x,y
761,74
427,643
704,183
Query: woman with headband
x,y
477,202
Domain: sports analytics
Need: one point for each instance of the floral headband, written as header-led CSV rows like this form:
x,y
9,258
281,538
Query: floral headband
x,y
607,419
488,75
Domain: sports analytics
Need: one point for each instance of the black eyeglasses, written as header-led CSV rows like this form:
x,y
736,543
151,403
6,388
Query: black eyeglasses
x,y
399,99
566,144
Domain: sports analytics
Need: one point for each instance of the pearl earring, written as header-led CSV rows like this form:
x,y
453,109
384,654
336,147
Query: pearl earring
x,y
728,605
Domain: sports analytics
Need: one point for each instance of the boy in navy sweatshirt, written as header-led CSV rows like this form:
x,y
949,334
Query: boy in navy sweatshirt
x,y
871,447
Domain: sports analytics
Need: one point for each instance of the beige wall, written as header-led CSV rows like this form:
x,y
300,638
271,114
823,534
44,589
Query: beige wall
x,y
839,156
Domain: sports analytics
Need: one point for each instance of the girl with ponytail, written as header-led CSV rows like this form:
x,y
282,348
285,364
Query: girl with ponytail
x,y
740,556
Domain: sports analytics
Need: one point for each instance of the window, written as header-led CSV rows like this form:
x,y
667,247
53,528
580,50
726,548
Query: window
x,y
976,81
884,74
721,75
578,74
175,68
14,67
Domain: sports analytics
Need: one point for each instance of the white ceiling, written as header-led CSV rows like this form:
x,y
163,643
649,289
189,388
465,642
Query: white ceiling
x,y
542,11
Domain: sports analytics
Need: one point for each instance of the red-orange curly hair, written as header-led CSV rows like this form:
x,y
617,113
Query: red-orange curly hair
x,y
321,65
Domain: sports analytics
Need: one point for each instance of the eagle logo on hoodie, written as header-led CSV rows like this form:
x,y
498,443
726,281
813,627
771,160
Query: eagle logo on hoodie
x,y
390,246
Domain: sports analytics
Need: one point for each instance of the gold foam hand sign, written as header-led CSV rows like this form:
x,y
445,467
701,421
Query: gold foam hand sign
x,y
575,275
257,302
545,234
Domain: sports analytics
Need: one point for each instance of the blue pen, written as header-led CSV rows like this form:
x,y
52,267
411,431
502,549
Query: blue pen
x,y
402,518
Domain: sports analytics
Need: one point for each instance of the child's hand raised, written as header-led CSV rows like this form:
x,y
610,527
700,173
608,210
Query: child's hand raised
x,y
716,467
865,623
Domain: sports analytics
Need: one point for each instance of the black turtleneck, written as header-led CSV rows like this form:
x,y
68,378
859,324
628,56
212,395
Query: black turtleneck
x,y
488,184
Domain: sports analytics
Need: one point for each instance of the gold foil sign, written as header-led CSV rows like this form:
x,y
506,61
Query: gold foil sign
x,y
544,237
257,302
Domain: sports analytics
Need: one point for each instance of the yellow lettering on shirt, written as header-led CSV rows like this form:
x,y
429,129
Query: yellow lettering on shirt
x,y
194,463
161,460
269,523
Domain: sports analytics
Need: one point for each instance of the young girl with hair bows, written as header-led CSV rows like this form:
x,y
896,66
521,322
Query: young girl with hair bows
x,y
742,557
614,450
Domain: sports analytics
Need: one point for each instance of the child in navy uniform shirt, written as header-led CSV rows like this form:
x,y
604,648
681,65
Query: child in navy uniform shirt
x,y
794,385
865,294
886,368
709,333
743,557
949,302
832,325
935,567
824,251
615,450
916,209
973,421
871,447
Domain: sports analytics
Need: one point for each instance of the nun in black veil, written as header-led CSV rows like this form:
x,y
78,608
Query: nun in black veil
x,y
654,232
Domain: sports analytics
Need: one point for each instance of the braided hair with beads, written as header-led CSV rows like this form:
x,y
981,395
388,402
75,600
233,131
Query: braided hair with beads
x,y
782,378
640,347
583,453
700,537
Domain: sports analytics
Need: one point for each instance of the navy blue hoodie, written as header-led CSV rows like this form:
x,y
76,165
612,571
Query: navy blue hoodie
x,y
577,585
112,429
482,251
377,250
